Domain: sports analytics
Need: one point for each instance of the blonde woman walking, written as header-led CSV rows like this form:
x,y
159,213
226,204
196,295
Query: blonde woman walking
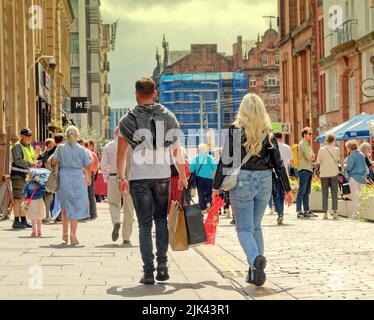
x,y
252,133
74,177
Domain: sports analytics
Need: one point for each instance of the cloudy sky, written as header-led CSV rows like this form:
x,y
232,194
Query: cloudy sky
x,y
143,22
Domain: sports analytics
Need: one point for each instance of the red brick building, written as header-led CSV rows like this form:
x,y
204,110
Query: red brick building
x,y
202,58
347,55
260,60
299,69
261,63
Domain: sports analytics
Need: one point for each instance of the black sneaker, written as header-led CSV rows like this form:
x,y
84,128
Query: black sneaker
x,y
301,215
310,214
232,222
249,277
148,279
18,225
115,233
162,273
280,220
259,276
27,225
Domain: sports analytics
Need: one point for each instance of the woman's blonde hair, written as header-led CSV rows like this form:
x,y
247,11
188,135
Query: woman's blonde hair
x,y
364,147
255,121
352,145
72,128
330,138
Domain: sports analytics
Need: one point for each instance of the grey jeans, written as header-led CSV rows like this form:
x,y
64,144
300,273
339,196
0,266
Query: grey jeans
x,y
331,183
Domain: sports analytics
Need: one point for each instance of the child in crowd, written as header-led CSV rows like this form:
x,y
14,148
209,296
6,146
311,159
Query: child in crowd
x,y
34,192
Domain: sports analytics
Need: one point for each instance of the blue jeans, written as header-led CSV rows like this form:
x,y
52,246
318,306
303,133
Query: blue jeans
x,y
305,186
278,196
249,200
151,198
204,189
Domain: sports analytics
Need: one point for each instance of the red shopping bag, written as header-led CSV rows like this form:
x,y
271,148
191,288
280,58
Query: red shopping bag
x,y
212,221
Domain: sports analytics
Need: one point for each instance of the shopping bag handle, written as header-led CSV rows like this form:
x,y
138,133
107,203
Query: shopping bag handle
x,y
186,198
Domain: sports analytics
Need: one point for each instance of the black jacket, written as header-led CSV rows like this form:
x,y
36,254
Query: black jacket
x,y
268,159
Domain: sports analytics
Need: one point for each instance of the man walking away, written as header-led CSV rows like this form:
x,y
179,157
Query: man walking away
x,y
24,157
278,190
152,132
109,167
306,158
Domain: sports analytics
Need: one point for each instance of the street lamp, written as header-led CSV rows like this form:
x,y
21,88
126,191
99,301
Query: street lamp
x,y
218,108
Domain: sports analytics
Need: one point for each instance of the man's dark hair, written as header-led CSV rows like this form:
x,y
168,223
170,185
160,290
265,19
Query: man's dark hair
x,y
80,142
59,138
305,131
145,87
91,143
278,135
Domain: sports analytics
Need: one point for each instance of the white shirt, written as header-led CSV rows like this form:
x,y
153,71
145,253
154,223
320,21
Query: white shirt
x,y
109,159
286,154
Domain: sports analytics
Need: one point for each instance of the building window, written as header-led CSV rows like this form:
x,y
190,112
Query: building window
x,y
285,80
74,43
277,60
302,11
265,60
304,73
321,52
333,80
293,14
367,68
271,82
322,84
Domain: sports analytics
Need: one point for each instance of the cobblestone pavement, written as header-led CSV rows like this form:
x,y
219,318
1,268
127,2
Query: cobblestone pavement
x,y
307,259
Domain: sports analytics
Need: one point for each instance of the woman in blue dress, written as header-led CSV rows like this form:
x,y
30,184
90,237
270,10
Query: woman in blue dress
x,y
74,177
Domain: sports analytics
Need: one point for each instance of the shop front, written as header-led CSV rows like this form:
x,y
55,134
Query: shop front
x,y
44,102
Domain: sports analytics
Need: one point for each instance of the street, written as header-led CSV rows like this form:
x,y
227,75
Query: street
x,y
307,259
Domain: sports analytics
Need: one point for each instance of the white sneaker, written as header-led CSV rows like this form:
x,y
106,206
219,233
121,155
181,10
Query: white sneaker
x,y
272,211
326,216
335,215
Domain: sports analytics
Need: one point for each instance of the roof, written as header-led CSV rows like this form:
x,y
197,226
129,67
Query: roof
x,y
175,56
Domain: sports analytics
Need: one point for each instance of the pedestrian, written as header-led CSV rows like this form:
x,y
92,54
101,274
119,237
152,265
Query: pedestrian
x,y
366,149
278,190
175,192
94,170
24,157
49,150
328,161
305,173
357,173
74,177
109,167
204,166
150,172
34,193
252,133
48,196
59,139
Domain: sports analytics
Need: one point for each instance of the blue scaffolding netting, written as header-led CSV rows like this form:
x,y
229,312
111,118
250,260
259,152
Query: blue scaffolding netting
x,y
183,94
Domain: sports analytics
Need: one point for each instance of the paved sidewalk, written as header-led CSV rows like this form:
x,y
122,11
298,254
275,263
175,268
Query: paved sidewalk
x,y
307,259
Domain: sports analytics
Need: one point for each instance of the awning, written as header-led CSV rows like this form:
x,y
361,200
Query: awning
x,y
362,129
341,130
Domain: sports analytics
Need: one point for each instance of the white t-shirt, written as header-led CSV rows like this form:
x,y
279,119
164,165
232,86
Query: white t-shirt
x,y
286,154
328,158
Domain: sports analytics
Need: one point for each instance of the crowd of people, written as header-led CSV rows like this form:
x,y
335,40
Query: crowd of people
x,y
139,183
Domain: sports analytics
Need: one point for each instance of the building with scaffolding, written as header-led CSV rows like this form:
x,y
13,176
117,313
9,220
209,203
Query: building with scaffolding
x,y
208,101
